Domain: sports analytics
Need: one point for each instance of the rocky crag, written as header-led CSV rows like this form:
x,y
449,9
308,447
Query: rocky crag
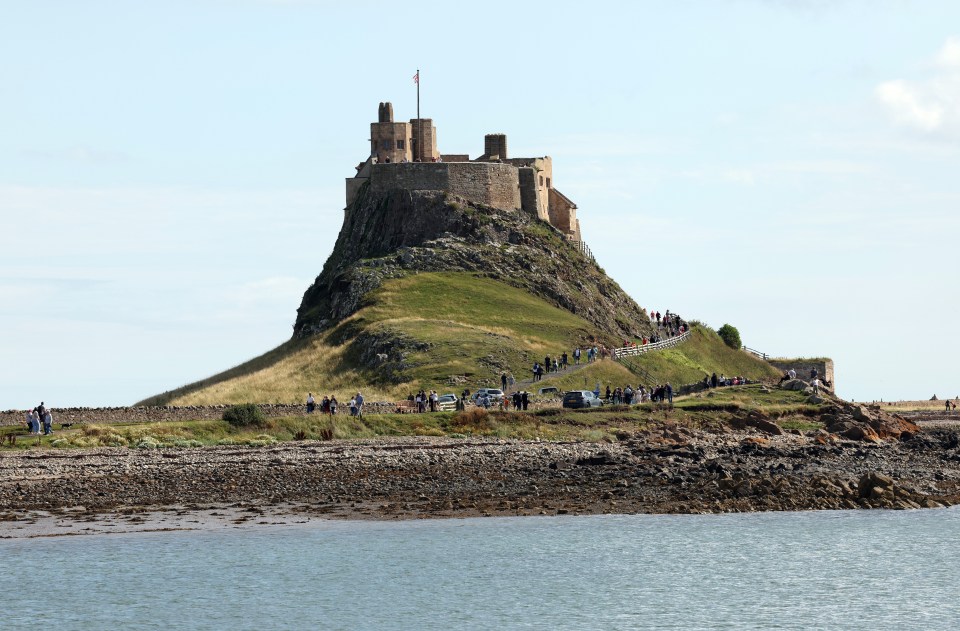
x,y
403,232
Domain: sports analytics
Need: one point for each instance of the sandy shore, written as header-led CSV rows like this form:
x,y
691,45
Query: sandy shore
x,y
665,469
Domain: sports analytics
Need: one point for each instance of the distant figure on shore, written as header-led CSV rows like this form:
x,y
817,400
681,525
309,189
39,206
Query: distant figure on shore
x,y
311,403
47,423
948,406
816,385
359,400
503,381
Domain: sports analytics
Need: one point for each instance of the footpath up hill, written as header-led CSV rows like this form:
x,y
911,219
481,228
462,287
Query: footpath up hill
x,y
429,290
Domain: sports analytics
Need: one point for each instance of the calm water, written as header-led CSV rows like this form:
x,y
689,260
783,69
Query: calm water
x,y
826,570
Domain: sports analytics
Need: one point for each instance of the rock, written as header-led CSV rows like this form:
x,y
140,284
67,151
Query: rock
x,y
794,384
861,413
766,426
815,399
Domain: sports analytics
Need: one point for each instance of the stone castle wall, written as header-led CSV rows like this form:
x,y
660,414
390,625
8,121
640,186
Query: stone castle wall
x,y
487,183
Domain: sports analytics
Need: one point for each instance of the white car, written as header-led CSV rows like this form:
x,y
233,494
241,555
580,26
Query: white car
x,y
447,402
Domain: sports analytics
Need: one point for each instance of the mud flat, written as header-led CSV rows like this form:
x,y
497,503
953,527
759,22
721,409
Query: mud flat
x,y
664,469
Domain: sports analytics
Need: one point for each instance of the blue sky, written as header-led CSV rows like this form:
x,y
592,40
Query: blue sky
x,y
171,173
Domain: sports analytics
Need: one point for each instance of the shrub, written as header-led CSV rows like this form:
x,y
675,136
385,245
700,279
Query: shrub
x,y
730,336
244,415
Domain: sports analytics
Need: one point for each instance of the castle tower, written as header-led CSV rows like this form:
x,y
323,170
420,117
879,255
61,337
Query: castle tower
x,y
390,141
495,146
428,136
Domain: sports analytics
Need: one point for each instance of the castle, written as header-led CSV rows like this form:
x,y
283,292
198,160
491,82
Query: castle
x,y
405,156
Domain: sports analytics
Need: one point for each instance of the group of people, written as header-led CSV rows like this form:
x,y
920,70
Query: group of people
x,y
423,400
713,381
38,416
562,362
330,405
629,395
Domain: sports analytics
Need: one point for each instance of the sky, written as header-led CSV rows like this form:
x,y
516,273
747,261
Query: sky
x,y
171,173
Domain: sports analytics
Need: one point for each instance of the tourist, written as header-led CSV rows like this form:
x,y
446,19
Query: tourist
x,y
433,400
511,381
47,423
31,418
546,363
576,356
311,403
325,405
503,381
792,373
333,404
352,404
563,360
816,385
668,389
524,400
517,401
359,400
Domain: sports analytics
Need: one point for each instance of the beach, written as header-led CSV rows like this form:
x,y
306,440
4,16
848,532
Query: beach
x,y
662,469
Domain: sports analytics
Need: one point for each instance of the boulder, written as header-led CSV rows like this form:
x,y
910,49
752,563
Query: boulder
x,y
794,384
860,413
815,399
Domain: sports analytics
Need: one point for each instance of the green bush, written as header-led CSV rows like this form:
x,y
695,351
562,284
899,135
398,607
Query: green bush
x,y
244,415
730,336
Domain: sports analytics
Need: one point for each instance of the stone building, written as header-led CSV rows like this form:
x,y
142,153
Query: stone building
x,y
405,156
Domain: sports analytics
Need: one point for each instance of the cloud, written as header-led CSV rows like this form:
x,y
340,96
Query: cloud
x,y
930,105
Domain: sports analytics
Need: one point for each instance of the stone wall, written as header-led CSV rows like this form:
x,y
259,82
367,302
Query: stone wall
x,y
804,366
496,185
529,200
485,183
171,413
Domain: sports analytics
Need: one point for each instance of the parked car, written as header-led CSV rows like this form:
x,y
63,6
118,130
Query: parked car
x,y
581,399
447,402
550,391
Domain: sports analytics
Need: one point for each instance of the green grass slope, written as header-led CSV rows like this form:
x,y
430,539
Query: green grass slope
x,y
451,324
704,353
434,326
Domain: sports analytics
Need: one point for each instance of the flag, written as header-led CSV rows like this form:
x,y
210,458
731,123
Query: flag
x,y
416,77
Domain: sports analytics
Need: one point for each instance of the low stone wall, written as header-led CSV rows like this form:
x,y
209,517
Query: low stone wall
x,y
173,413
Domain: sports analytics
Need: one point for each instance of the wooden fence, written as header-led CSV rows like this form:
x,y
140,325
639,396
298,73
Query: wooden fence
x,y
627,351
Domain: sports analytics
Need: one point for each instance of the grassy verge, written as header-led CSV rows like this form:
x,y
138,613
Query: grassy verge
x,y
608,423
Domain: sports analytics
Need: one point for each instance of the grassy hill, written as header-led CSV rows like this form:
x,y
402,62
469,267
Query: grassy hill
x,y
424,329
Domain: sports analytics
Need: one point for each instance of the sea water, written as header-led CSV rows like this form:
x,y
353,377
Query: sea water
x,y
810,570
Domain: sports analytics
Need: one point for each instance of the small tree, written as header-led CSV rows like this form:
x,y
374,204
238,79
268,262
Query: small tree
x,y
244,415
730,336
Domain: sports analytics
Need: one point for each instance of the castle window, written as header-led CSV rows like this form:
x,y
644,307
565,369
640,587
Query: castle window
x,y
548,182
386,145
401,144
541,180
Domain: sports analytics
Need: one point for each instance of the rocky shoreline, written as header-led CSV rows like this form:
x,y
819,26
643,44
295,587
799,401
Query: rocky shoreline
x,y
663,469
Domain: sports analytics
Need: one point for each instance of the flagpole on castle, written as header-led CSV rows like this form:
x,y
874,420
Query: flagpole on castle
x,y
419,156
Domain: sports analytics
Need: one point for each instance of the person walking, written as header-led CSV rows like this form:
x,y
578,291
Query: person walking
x,y
311,403
503,381
47,423
668,389
359,400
